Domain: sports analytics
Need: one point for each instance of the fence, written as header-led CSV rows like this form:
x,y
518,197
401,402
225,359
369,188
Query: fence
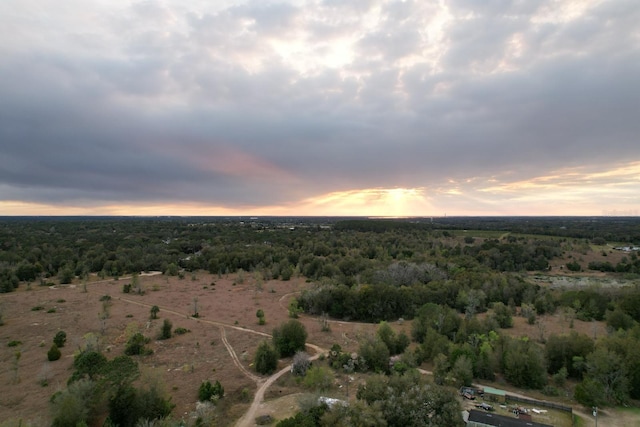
x,y
540,403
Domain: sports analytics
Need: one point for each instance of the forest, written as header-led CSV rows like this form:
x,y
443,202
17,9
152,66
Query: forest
x,y
460,282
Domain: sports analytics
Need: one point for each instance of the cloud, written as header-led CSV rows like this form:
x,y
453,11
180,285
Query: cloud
x,y
246,106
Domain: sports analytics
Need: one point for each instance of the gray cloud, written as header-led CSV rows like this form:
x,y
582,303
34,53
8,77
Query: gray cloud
x,y
269,103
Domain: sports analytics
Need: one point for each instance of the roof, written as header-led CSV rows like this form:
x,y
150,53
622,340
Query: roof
x,y
495,391
501,420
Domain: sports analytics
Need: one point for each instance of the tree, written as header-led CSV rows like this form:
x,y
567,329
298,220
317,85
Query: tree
x,y
154,312
301,364
135,345
462,371
562,350
8,280
502,314
289,338
54,353
266,359
165,332
407,401
88,364
260,316
375,354
208,392
608,369
60,338
524,364
319,378
294,308
75,405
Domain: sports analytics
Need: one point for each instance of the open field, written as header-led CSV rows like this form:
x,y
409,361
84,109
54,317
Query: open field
x,y
182,361
227,324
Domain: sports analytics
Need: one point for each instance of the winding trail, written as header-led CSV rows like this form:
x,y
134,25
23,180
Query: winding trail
x,y
247,420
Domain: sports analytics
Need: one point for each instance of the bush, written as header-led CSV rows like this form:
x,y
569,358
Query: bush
x,y
135,345
60,338
208,392
154,312
266,359
289,338
165,332
301,364
14,343
54,353
180,331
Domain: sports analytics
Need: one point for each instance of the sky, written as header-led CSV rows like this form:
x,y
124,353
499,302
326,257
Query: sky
x,y
325,107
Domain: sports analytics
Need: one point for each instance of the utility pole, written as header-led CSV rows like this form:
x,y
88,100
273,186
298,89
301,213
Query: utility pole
x,y
595,414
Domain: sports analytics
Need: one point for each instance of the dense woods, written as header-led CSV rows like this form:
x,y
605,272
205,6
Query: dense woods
x,y
461,281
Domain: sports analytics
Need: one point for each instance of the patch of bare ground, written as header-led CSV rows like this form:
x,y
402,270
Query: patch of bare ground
x,y
184,361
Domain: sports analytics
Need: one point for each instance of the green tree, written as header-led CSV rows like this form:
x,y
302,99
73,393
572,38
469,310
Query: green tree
x,y
165,332
608,369
8,280
289,338
135,345
65,275
260,316
561,351
462,371
319,378
54,353
154,312
74,406
294,308
266,358
60,338
524,364
375,354
208,391
503,315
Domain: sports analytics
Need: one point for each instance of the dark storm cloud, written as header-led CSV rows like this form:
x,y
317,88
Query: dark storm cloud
x,y
269,103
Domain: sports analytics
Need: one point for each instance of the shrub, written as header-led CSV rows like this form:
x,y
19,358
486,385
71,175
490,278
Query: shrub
x,y
180,331
37,308
54,353
289,338
126,288
135,345
60,338
301,364
165,332
208,392
154,312
266,359
14,343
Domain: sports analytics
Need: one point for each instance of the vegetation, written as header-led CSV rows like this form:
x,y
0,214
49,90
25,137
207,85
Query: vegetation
x,y
289,338
463,282
54,353
60,338
210,392
266,358
165,331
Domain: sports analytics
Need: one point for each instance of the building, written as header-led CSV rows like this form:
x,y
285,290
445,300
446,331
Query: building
x,y
486,419
495,395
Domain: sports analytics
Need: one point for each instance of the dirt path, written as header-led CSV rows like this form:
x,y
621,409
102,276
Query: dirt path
x,y
247,420
235,359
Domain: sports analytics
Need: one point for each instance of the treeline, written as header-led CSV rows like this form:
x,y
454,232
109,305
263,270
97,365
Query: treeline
x,y
609,229
348,252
